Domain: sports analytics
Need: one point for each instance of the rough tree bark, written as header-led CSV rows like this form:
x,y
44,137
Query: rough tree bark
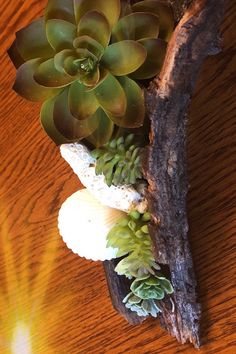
x,y
167,102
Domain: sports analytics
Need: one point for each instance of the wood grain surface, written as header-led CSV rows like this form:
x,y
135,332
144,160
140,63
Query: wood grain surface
x,y
62,298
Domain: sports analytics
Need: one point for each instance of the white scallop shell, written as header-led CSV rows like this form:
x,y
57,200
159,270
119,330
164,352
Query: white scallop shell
x,y
84,224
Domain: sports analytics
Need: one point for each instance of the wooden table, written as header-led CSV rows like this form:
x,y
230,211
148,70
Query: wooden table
x,y
62,298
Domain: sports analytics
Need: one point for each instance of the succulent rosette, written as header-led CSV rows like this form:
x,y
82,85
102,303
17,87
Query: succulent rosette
x,y
81,60
145,293
151,287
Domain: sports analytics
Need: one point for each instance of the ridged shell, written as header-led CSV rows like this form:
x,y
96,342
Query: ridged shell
x,y
84,224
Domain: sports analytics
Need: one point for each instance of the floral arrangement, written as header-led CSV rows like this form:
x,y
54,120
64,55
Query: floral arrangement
x,y
87,61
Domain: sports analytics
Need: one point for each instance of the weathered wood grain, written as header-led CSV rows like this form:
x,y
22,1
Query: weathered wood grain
x,y
119,287
65,296
167,101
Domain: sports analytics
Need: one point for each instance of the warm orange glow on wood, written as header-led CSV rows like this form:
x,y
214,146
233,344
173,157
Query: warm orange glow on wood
x,y
21,340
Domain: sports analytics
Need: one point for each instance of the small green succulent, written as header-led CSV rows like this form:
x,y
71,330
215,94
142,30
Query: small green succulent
x,y
80,59
131,237
151,287
119,160
145,291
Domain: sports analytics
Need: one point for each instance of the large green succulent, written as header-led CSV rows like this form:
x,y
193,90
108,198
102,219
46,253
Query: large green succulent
x,y
80,59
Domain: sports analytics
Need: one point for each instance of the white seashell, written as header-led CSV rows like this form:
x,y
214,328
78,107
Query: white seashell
x,y
84,224
123,198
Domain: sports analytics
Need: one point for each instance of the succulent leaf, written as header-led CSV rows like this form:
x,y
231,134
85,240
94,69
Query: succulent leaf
x,y
47,122
60,9
90,44
96,26
60,34
28,46
156,49
166,285
111,96
111,9
124,50
70,127
164,13
104,131
135,109
82,103
134,27
26,86
47,75
64,62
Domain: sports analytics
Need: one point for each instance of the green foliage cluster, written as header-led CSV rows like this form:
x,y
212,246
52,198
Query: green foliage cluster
x,y
131,237
119,160
81,60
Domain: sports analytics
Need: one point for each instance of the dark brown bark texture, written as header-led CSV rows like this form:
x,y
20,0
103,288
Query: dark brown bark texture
x,y
167,102
119,287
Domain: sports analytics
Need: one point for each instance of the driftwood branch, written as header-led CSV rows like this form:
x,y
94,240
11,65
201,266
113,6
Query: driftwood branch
x,y
167,102
119,287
